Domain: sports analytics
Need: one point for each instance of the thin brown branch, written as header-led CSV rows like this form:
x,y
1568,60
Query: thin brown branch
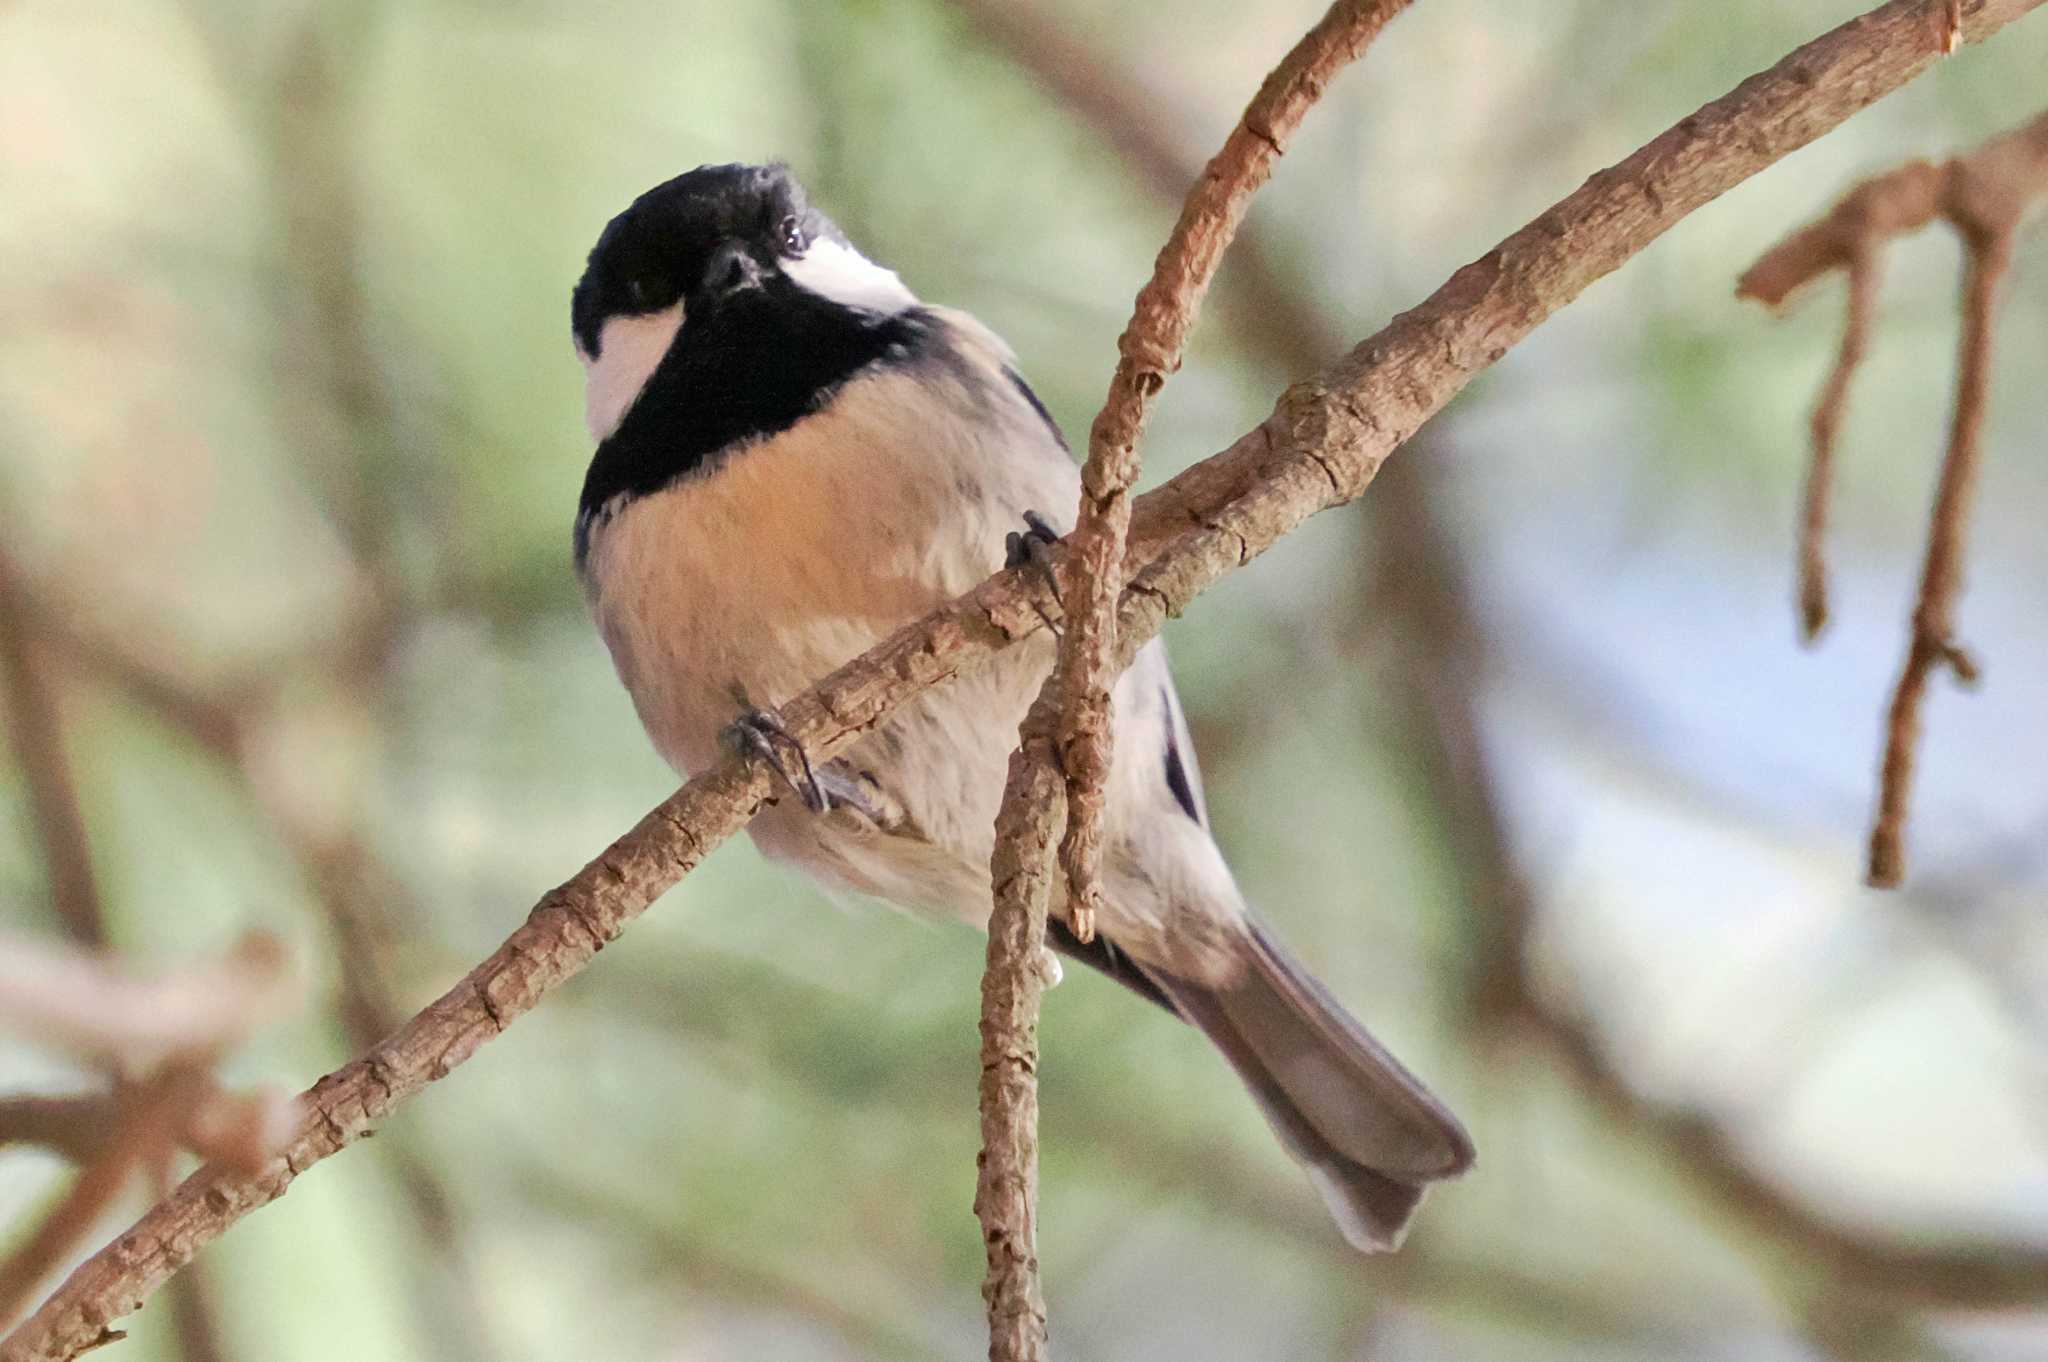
x,y
1986,195
1068,737
1850,237
1893,204
1148,353
1934,643
36,728
74,1125
1321,447
1863,266
179,1104
1006,1183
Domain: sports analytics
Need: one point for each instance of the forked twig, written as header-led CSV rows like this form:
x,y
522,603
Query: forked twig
x,y
1986,195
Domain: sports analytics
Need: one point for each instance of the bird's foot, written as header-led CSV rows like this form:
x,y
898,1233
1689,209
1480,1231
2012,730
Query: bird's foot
x,y
1029,546
761,733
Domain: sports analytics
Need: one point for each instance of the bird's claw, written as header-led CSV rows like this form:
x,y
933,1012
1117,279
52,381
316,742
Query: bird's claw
x,y
761,733
1028,547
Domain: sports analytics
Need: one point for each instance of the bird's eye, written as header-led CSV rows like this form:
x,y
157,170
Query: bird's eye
x,y
792,233
636,289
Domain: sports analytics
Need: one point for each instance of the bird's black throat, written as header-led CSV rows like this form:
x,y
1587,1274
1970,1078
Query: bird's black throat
x,y
752,368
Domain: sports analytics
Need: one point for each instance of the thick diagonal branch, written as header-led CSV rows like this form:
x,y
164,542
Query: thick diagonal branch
x,y
1321,447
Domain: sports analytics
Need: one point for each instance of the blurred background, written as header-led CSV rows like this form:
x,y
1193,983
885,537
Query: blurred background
x,y
1520,752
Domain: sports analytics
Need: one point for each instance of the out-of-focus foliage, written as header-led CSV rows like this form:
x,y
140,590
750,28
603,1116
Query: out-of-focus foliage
x,y
286,396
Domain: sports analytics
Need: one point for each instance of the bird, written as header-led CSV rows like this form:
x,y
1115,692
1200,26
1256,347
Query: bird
x,y
795,456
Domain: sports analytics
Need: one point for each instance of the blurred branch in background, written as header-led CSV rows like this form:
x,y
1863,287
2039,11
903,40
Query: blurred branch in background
x,y
1986,195
694,1263
159,1040
1418,596
108,1135
347,441
1139,1160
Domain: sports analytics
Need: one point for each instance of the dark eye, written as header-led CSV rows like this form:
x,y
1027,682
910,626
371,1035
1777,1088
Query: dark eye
x,y
792,233
636,289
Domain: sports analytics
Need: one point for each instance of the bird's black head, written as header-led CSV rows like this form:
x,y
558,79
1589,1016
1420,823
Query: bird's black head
x,y
719,309
711,234
698,239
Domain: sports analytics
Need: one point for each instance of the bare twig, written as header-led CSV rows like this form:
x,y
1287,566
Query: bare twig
x,y
1006,1183
1321,447
1933,639
1075,701
1986,196
1863,267
1149,351
359,893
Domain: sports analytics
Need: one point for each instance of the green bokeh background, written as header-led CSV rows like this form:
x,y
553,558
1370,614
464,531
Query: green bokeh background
x,y
284,346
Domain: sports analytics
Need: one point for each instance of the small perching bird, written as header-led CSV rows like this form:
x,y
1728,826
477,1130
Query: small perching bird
x,y
794,458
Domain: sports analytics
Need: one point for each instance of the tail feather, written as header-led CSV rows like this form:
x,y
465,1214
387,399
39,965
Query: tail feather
x,y
1369,1133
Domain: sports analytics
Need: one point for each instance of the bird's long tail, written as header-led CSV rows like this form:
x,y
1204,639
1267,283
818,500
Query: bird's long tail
x,y
1370,1135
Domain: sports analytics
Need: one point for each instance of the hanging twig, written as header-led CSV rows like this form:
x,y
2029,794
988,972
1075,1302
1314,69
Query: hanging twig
x,y
1986,196
1321,447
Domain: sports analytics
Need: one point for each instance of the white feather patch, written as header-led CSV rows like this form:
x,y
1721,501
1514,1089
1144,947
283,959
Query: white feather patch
x,y
629,348
844,275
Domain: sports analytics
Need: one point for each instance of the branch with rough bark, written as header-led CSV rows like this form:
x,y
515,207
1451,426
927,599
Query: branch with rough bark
x,y
1986,195
1012,983
1069,730
1320,448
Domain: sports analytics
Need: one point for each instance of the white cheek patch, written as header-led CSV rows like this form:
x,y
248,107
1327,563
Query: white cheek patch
x,y
628,350
844,275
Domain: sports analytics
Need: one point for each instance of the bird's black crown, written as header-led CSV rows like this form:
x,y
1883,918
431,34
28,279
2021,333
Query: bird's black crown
x,y
659,249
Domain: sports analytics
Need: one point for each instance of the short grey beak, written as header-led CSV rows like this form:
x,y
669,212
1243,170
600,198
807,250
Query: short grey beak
x,y
732,269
